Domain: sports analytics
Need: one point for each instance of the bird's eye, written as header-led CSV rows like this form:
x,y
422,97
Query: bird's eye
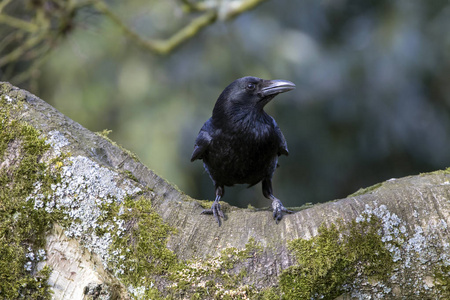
x,y
251,86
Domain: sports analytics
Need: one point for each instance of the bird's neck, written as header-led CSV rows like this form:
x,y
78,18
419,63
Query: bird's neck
x,y
241,120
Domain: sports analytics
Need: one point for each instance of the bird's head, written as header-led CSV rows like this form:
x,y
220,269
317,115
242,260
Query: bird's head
x,y
248,94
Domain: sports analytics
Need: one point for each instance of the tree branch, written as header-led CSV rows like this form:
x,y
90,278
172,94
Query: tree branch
x,y
160,46
18,23
125,231
31,42
225,10
231,9
61,16
3,4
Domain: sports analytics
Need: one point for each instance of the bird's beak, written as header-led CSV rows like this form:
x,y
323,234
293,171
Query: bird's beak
x,y
274,87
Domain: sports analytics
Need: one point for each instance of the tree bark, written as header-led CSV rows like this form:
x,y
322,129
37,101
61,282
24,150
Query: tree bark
x,y
246,256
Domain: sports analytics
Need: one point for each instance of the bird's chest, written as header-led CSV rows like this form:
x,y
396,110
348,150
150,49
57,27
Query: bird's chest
x,y
242,157
248,144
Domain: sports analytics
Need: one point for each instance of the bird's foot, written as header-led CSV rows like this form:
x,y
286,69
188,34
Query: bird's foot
x,y
278,210
216,211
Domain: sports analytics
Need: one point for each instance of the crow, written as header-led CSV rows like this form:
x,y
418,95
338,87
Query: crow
x,y
240,143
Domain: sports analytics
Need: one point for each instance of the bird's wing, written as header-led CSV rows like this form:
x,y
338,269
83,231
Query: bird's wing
x,y
202,141
282,145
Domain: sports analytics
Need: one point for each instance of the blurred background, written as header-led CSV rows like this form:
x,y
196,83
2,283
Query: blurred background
x,y
373,82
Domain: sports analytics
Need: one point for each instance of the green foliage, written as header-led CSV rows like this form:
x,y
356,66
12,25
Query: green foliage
x,y
22,225
328,263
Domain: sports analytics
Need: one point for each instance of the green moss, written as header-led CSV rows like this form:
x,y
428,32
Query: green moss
x,y
22,224
138,250
130,175
104,133
206,204
328,263
438,172
303,207
230,256
5,87
363,191
149,270
214,277
270,293
442,281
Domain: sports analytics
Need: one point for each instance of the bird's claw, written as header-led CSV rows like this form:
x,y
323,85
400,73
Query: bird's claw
x,y
216,211
278,210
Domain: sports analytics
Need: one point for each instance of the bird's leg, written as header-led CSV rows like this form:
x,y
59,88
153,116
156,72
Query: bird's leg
x,y
278,209
215,208
277,206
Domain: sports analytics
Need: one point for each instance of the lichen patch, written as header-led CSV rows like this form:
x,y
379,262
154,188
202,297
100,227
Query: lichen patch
x,y
373,257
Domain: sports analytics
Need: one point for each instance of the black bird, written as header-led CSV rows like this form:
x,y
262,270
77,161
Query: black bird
x,y
240,143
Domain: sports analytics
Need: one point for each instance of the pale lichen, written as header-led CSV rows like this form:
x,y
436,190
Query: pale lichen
x,y
215,277
43,184
373,257
22,223
57,140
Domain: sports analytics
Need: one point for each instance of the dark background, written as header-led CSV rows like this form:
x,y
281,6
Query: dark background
x,y
372,99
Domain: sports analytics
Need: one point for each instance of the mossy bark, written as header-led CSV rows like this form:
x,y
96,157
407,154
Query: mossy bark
x,y
123,231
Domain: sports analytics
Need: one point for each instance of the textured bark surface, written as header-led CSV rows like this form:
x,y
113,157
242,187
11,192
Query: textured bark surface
x,y
417,207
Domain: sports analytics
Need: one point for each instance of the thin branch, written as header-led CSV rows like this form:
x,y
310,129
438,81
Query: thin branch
x,y
10,38
17,53
195,6
231,9
160,46
187,32
35,66
82,3
18,23
227,10
34,37
3,4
